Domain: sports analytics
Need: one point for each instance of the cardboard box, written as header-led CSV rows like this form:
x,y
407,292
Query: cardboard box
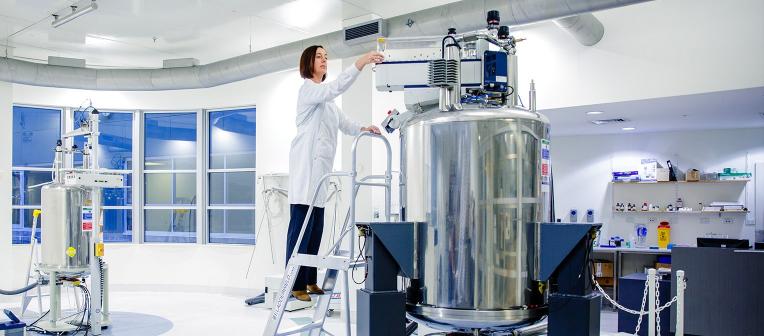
x,y
606,282
662,174
693,175
603,268
662,265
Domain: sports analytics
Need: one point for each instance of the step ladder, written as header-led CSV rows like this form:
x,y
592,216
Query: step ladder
x,y
32,273
335,261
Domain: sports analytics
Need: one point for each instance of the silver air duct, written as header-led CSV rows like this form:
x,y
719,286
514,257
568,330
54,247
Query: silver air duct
x,y
585,28
464,16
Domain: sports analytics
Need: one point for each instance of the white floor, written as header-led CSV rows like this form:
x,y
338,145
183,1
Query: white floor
x,y
172,313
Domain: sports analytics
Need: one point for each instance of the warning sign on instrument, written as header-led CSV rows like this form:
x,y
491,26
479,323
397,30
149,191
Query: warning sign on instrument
x,y
87,218
545,168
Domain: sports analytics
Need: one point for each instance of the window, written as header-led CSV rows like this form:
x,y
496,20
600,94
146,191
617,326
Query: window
x,y
170,177
35,132
231,174
115,154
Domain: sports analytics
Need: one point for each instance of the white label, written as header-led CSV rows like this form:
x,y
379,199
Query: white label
x,y
501,78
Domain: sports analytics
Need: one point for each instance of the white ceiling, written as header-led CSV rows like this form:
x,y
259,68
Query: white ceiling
x,y
141,33
742,108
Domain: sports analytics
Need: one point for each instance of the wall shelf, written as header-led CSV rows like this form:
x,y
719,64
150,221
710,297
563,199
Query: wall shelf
x,y
685,182
680,212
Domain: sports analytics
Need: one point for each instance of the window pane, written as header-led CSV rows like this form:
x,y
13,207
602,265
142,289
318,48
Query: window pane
x,y
170,188
35,132
118,225
116,146
170,141
232,188
232,226
232,139
119,196
22,180
170,225
21,226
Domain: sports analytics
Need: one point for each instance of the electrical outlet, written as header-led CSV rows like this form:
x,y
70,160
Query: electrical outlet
x,y
652,219
728,220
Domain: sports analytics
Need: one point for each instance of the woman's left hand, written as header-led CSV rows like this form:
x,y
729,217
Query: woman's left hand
x,y
372,129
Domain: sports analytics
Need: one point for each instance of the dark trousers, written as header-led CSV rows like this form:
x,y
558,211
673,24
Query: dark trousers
x,y
311,240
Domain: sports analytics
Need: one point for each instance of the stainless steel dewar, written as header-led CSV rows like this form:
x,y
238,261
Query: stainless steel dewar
x,y
474,176
65,247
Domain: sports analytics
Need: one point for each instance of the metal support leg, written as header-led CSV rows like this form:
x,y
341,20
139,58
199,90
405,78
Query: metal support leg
x,y
55,299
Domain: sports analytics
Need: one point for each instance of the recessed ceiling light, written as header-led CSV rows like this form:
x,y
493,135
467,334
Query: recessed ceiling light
x,y
594,112
628,128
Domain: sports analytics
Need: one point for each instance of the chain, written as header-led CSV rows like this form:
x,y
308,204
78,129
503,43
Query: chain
x,y
641,312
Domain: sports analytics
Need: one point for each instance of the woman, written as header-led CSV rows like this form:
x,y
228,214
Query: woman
x,y
312,153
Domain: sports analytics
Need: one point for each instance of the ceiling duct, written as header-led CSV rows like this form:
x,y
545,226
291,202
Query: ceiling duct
x,y
464,16
585,28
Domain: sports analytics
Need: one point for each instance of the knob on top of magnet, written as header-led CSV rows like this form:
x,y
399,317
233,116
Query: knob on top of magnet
x,y
493,17
503,32
451,31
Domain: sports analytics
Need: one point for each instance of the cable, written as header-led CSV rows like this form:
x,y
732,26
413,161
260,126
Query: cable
x,y
361,249
20,290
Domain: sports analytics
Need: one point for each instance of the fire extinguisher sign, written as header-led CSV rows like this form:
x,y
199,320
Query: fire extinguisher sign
x,y
87,218
545,168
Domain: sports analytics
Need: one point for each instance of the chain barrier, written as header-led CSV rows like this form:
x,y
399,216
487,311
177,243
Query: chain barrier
x,y
641,312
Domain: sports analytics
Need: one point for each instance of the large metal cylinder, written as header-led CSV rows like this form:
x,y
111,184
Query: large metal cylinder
x,y
65,247
475,178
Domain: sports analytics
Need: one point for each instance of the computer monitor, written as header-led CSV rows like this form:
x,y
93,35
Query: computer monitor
x,y
724,243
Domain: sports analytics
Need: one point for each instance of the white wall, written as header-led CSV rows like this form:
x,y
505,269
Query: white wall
x,y
654,49
582,168
6,134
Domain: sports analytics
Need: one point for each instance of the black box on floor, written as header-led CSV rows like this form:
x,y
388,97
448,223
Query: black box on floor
x,y
573,315
388,309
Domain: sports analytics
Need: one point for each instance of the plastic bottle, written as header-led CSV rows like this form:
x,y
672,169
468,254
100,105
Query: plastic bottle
x,y
664,234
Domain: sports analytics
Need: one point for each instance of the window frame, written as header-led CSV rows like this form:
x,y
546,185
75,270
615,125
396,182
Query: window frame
x,y
208,171
69,163
141,166
14,169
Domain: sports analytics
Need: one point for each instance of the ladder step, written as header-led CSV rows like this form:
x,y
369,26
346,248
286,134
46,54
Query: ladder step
x,y
299,329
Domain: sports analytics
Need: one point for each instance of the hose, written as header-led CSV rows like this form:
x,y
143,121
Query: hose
x,y
20,290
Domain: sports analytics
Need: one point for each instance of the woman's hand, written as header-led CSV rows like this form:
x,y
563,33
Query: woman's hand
x,y
372,129
368,58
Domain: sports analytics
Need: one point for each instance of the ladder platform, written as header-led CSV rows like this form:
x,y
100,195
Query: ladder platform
x,y
327,262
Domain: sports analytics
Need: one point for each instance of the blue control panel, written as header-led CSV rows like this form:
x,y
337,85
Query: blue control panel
x,y
495,74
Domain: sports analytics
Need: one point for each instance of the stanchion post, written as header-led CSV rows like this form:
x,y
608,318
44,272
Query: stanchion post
x,y
679,303
651,304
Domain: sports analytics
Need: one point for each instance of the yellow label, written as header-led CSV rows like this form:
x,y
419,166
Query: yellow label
x,y
99,250
71,252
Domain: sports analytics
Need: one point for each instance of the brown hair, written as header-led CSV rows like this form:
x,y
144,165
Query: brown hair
x,y
307,60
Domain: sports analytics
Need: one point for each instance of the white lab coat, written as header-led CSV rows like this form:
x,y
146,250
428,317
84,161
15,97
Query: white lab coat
x,y
318,119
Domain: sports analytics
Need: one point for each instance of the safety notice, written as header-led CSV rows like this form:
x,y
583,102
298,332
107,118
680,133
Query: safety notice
x,y
545,168
87,218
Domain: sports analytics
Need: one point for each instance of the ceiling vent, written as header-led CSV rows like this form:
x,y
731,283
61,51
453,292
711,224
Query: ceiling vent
x,y
609,121
365,32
